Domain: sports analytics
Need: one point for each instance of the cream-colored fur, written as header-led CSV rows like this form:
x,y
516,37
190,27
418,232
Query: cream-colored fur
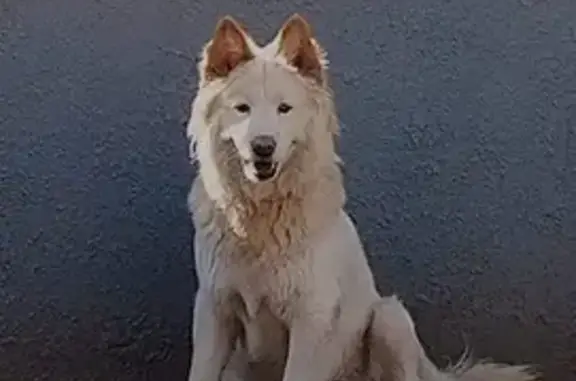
x,y
285,291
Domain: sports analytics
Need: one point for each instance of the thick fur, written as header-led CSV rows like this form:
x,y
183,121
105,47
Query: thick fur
x,y
285,291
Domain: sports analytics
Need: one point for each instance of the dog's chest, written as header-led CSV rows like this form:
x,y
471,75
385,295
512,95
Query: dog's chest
x,y
272,279
269,294
271,286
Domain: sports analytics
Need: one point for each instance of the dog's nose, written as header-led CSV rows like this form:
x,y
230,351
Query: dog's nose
x,y
263,146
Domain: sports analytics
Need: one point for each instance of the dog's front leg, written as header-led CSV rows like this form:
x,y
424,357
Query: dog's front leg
x,y
214,334
318,348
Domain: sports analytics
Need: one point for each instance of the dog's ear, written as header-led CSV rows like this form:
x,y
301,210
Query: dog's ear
x,y
298,46
227,49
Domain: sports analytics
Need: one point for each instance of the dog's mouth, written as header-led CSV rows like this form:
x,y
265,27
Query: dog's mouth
x,y
265,169
262,170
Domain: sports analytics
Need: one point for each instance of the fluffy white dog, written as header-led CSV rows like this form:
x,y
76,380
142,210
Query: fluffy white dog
x,y
285,291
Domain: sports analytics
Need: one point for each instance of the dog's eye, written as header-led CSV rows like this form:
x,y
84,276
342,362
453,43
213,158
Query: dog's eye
x,y
242,108
284,108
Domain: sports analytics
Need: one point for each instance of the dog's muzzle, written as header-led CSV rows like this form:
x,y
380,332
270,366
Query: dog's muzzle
x,y
263,148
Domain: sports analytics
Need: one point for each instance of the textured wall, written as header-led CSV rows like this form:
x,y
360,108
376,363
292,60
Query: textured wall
x,y
460,149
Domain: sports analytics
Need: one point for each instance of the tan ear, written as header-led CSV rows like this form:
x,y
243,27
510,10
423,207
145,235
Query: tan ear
x,y
299,48
227,49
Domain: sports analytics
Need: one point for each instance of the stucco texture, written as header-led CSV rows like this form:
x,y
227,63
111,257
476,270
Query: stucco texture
x,y
459,144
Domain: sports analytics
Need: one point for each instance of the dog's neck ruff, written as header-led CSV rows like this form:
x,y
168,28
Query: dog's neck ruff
x,y
274,216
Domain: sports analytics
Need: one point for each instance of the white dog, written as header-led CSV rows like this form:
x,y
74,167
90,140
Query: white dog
x,y
285,291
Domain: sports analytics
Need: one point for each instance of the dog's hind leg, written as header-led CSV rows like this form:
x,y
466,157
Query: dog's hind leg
x,y
396,353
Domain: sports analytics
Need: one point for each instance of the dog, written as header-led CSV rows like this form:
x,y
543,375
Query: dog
x,y
285,291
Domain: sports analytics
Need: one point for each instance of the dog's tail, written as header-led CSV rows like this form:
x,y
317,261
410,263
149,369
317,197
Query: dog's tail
x,y
476,371
394,344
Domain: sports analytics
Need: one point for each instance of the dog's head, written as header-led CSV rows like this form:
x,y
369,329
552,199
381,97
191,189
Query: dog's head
x,y
263,100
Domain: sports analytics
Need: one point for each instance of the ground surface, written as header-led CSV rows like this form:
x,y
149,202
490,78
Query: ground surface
x,y
459,123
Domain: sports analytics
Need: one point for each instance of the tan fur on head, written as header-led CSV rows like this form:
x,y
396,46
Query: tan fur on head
x,y
227,49
299,48
279,210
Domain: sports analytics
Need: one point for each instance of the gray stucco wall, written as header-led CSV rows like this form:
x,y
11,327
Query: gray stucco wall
x,y
460,149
